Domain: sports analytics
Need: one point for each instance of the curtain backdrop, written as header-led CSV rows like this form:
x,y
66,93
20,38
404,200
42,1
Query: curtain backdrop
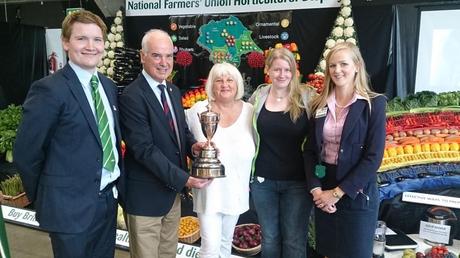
x,y
23,60
387,34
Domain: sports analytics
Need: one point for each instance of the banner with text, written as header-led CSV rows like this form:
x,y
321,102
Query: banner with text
x,y
217,38
181,7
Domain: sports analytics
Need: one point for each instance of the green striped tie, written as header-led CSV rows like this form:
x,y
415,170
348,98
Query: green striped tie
x,y
103,126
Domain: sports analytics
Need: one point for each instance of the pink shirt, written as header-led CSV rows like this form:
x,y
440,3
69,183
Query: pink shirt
x,y
332,130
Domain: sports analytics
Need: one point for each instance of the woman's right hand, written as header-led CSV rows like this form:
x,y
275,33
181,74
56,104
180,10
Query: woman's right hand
x,y
324,200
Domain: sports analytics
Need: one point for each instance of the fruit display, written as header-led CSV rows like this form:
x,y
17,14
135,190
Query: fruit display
x,y
316,80
193,95
189,229
409,253
438,252
421,138
433,252
422,147
246,238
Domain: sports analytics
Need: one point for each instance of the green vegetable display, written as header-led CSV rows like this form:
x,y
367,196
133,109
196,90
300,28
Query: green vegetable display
x,y
9,122
424,99
12,186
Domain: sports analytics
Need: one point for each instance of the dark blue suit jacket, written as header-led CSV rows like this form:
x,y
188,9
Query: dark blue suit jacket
x,y
58,151
361,146
155,161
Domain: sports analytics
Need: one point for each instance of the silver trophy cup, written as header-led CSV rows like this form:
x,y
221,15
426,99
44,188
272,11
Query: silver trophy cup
x,y
206,165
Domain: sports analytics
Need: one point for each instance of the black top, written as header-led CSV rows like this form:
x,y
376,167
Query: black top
x,y
280,149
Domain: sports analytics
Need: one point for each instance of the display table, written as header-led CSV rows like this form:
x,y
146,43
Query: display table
x,y
422,246
26,218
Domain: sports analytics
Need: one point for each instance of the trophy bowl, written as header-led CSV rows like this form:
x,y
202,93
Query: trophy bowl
x,y
207,165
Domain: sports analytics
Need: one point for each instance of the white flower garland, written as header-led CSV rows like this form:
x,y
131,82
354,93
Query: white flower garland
x,y
343,31
114,39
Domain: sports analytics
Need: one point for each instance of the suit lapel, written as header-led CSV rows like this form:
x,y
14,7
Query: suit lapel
x,y
353,115
156,106
176,107
77,90
319,131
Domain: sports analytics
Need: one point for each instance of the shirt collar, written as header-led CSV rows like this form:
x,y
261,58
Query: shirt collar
x,y
331,101
152,81
84,76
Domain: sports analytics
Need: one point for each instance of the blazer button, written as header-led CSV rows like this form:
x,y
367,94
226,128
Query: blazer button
x,y
177,153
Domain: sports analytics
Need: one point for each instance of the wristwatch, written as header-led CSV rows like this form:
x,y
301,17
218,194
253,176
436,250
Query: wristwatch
x,y
336,193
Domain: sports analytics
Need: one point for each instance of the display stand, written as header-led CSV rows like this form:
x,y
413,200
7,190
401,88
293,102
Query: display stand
x,y
26,218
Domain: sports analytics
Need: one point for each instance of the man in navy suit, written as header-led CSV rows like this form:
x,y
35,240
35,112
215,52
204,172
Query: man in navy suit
x,y
60,148
158,141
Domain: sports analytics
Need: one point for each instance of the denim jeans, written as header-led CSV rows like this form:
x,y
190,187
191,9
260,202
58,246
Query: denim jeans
x,y
283,210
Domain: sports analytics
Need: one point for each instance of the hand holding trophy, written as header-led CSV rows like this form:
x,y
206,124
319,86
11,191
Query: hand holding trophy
x,y
207,165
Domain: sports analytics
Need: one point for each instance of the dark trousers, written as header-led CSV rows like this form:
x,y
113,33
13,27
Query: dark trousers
x,y
349,231
98,240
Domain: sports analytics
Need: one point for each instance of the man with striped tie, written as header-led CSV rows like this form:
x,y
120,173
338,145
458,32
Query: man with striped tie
x,y
68,146
158,141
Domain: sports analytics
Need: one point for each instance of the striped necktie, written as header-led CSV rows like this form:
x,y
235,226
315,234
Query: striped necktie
x,y
108,161
166,109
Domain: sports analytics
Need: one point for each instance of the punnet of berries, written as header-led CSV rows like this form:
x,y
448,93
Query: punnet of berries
x,y
247,236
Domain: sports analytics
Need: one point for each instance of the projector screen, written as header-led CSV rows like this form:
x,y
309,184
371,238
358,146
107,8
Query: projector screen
x,y
438,58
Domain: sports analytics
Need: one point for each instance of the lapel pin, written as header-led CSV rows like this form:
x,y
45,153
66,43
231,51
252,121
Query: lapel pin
x,y
114,108
170,89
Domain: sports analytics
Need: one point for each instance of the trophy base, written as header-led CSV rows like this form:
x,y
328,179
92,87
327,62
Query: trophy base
x,y
209,171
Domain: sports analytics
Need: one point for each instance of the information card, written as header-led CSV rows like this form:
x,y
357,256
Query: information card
x,y
434,232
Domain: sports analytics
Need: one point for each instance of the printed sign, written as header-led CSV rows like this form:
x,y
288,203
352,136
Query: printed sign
x,y
180,7
27,218
434,232
431,199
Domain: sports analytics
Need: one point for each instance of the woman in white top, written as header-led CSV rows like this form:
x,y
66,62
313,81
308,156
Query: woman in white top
x,y
219,205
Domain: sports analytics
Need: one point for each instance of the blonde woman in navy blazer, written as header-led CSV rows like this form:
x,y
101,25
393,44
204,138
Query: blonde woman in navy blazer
x,y
343,155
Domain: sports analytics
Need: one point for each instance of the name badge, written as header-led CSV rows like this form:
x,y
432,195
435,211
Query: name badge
x,y
320,171
321,112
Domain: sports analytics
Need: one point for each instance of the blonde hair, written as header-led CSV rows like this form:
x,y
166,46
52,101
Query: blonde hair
x,y
219,70
361,82
295,107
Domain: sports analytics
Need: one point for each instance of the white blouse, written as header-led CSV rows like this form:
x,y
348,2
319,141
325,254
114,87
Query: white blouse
x,y
228,195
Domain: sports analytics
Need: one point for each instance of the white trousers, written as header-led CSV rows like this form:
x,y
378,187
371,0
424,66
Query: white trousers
x,y
216,230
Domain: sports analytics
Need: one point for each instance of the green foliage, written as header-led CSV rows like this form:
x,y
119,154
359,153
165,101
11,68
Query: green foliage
x,y
427,98
450,98
12,186
9,122
424,99
395,105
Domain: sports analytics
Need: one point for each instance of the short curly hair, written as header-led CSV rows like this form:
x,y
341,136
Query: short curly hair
x,y
219,70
